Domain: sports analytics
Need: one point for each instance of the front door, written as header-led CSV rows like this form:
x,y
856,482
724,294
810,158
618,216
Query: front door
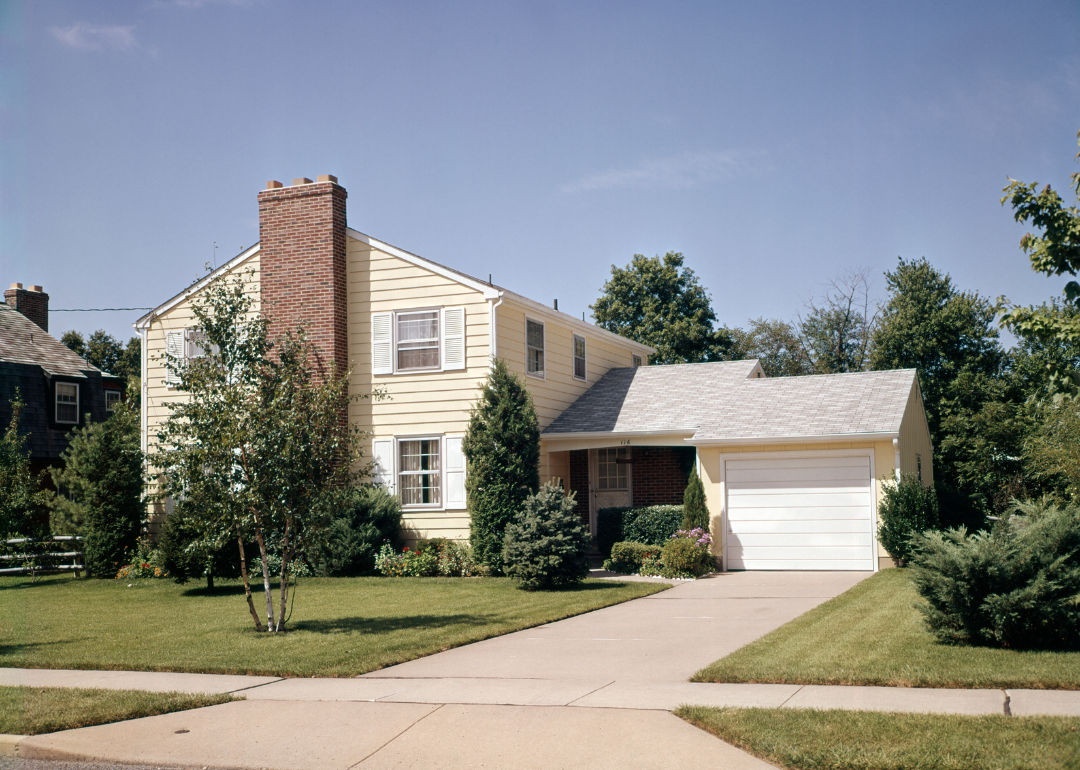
x,y
610,480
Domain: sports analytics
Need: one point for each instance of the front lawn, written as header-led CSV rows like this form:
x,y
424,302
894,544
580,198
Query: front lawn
x,y
873,635
808,739
340,627
36,710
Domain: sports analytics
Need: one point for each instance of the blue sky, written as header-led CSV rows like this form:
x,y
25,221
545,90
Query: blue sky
x,y
774,144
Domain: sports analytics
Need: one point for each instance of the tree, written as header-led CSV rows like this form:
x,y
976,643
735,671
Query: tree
x,y
547,546
837,331
1055,251
695,512
776,346
658,302
1054,447
930,326
101,491
260,449
502,453
75,342
21,503
107,354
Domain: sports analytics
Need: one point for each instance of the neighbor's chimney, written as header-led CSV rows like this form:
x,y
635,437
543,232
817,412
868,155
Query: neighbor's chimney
x,y
302,262
32,303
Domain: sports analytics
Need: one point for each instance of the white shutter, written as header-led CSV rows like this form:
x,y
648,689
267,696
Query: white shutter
x,y
383,470
382,343
453,338
174,350
455,472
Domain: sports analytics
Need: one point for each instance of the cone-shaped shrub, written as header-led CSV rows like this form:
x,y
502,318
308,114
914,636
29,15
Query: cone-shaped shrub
x,y
695,512
547,546
502,450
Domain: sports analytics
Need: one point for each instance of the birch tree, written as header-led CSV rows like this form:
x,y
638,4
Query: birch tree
x,y
261,448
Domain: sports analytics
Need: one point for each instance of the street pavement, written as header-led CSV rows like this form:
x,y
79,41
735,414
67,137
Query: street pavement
x,y
594,691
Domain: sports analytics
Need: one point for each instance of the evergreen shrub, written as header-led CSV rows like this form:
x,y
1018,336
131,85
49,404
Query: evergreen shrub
x,y
368,517
1016,586
907,508
651,525
185,553
627,557
547,546
695,512
502,453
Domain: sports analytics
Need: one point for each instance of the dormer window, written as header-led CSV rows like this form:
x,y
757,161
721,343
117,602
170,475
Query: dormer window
x,y
67,403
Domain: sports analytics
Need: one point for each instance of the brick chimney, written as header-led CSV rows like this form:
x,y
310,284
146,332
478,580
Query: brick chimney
x,y
32,303
302,262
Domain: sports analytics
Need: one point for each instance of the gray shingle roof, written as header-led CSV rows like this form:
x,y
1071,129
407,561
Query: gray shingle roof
x,y
720,402
24,342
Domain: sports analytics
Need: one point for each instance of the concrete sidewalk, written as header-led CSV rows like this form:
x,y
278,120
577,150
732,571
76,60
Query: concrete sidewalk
x,y
591,691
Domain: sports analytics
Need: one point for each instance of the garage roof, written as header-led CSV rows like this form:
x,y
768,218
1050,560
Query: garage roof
x,y
725,402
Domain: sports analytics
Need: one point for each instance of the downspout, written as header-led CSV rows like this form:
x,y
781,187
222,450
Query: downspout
x,y
493,329
896,446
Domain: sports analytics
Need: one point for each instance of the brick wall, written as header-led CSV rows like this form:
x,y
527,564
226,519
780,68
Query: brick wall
x,y
302,257
660,475
32,303
579,482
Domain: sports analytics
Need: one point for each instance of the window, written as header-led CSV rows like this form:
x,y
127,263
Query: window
x,y
579,357
637,361
112,398
612,474
67,402
418,340
918,467
418,472
534,348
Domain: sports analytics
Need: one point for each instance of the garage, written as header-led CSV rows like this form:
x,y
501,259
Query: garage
x,y
800,512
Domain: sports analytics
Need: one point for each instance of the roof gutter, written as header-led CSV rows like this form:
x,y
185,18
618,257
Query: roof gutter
x,y
820,439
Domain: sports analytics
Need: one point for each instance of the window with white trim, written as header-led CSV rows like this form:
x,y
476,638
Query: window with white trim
x,y
579,357
534,348
636,361
610,473
421,340
67,402
419,477
112,398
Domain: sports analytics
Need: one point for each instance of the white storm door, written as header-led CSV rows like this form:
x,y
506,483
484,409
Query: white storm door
x,y
800,513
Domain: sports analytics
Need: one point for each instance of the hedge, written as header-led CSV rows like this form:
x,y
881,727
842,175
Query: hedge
x,y
651,525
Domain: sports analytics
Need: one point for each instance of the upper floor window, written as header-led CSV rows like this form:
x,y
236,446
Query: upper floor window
x,y
612,474
112,398
636,360
534,348
579,357
67,402
418,340
429,340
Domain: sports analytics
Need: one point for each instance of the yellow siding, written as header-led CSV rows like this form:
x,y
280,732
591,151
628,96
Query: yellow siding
x,y
419,403
156,394
915,438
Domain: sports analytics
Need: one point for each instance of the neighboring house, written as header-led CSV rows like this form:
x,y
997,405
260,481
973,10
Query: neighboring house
x,y
616,432
59,387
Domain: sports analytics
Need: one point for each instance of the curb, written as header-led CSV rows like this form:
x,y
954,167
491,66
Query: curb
x,y
9,745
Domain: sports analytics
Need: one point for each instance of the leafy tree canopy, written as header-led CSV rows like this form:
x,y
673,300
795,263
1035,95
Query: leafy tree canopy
x,y
106,353
775,344
21,504
838,328
659,302
1056,251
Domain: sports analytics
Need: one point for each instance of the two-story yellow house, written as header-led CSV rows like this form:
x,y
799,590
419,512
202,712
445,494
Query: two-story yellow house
x,y
787,488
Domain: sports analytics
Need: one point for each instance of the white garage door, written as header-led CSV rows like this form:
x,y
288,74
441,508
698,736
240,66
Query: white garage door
x,y
800,513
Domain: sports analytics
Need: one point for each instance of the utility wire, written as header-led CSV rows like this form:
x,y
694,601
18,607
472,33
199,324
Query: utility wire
x,y
93,309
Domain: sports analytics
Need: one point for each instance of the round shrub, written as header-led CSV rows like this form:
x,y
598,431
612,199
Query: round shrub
x,y
687,553
547,546
907,508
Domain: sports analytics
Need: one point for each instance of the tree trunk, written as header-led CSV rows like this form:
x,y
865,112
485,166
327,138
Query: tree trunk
x,y
209,580
286,558
247,584
266,576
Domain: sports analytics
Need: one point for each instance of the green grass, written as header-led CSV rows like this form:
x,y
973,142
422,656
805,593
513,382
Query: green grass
x,y
808,739
340,626
873,635
36,710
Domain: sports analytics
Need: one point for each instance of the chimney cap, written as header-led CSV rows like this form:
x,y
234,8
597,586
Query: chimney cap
x,y
326,178
16,285
273,185
300,180
34,287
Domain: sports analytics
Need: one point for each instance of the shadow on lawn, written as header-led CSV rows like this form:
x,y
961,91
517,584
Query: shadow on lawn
x,y
218,590
385,625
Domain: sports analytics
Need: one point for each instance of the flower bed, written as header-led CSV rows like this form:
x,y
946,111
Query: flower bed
x,y
687,555
429,558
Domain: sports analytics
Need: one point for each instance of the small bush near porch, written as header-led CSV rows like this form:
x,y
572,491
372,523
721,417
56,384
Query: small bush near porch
x,y
340,626
651,525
